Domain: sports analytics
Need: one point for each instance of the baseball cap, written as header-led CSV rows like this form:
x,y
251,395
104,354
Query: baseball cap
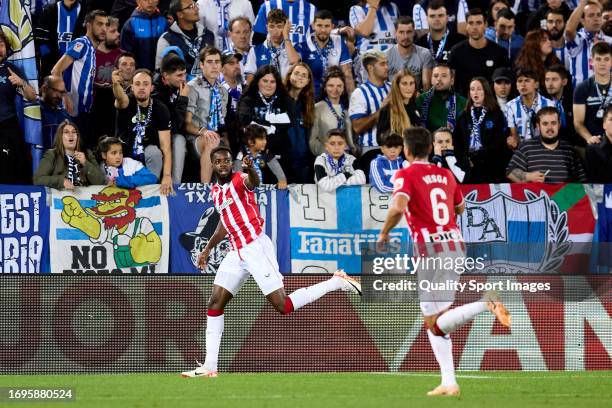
x,y
227,56
502,74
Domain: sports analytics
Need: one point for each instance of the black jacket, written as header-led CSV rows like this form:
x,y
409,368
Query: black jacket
x,y
487,165
384,119
176,104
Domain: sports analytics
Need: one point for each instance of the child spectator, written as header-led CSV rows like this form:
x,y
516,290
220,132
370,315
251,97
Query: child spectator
x,y
67,165
444,153
122,171
255,139
334,168
384,166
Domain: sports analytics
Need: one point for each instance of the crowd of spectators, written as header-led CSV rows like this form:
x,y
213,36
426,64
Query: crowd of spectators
x,y
137,92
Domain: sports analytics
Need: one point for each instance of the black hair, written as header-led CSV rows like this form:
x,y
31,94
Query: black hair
x,y
404,20
608,111
323,15
476,12
172,63
392,139
418,140
559,69
262,71
337,132
91,16
601,48
506,13
104,145
435,5
209,51
548,110
254,131
219,149
125,54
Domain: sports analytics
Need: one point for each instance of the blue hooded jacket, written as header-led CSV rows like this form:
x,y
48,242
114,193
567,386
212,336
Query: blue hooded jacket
x,y
140,34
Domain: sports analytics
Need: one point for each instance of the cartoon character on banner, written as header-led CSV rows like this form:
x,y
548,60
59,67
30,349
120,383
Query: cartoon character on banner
x,y
113,220
196,240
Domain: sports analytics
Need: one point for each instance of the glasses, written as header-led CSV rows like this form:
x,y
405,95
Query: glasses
x,y
190,7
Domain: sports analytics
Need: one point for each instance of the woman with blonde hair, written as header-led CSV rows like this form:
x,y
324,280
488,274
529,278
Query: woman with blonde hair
x,y
399,112
68,165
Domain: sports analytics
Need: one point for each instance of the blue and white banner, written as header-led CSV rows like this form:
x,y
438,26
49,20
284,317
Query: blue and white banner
x,y
109,230
328,229
194,220
24,229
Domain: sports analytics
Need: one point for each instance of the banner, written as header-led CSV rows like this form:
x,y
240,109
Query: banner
x,y
24,229
102,230
16,23
194,219
327,229
536,227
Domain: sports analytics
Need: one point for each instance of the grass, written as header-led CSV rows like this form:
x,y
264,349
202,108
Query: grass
x,y
321,390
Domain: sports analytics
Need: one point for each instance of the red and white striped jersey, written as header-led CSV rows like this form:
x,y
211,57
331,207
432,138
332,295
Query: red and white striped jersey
x,y
239,211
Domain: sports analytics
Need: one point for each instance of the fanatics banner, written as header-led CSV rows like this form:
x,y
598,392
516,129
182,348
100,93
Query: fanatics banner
x,y
109,230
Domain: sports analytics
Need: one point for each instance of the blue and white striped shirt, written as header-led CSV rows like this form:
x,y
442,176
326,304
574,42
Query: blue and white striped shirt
x,y
579,53
382,170
262,54
366,100
81,74
300,12
66,22
383,32
519,118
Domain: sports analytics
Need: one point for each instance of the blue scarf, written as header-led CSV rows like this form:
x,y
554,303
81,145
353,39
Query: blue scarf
x,y
140,129
475,139
336,167
73,170
216,107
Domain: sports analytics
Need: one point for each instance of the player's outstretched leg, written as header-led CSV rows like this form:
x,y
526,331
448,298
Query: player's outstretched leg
x,y
441,325
214,330
286,304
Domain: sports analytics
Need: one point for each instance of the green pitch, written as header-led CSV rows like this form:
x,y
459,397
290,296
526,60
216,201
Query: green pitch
x,y
322,390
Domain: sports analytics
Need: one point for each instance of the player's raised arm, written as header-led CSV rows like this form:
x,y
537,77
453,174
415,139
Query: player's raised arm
x,y
253,180
217,237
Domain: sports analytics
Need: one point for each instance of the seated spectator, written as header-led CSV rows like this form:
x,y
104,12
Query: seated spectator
x,y
599,155
206,111
300,87
172,90
444,153
239,40
401,112
502,86
277,50
504,35
455,12
144,124
67,165
384,166
537,54
187,34
546,158
122,171
266,102
406,55
521,111
495,6
331,112
593,96
255,140
14,169
51,108
440,106
299,15
126,64
480,136
335,168
140,33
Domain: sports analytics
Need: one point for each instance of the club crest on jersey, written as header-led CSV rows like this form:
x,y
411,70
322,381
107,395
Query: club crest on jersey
x,y
531,235
398,184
